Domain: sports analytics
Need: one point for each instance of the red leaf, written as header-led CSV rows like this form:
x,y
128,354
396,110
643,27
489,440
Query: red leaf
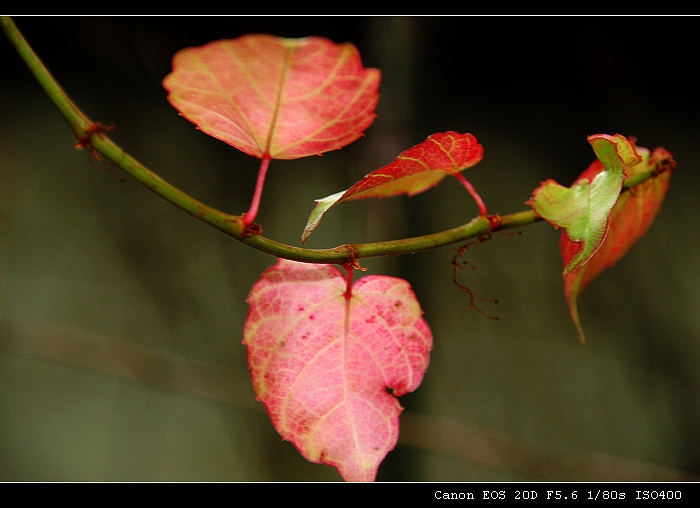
x,y
423,166
630,218
415,170
321,362
265,95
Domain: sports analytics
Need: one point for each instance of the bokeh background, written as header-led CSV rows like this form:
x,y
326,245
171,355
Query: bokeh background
x,y
121,317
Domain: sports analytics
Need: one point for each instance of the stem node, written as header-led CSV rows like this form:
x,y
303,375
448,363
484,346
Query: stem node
x,y
252,229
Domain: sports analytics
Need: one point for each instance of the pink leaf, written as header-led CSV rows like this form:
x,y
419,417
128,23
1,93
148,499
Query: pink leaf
x,y
322,360
269,96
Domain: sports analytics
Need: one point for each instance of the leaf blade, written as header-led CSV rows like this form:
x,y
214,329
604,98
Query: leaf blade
x,y
287,98
415,170
321,365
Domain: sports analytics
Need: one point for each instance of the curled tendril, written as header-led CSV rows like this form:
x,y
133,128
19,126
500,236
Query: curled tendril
x,y
455,257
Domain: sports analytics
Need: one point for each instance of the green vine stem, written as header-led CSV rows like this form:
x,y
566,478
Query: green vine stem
x,y
91,136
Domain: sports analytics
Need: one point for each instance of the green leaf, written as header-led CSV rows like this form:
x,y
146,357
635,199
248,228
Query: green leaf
x,y
583,209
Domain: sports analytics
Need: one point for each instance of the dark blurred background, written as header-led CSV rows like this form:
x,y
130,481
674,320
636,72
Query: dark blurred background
x,y
121,317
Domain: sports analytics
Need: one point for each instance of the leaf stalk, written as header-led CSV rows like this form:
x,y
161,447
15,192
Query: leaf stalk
x,y
252,212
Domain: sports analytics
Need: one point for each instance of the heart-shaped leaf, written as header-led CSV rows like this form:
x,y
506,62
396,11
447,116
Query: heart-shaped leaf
x,y
584,208
415,170
323,360
630,218
269,96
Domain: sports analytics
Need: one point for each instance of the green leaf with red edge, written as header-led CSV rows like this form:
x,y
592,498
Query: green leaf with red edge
x,y
284,98
415,170
323,361
584,208
630,218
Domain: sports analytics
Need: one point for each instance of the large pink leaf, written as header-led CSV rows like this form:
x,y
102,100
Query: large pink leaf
x,y
414,171
323,362
630,218
269,96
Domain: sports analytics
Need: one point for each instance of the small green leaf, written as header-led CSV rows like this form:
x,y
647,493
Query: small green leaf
x,y
583,209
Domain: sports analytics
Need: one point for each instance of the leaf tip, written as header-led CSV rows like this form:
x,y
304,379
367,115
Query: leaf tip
x,y
321,206
580,257
573,312
616,149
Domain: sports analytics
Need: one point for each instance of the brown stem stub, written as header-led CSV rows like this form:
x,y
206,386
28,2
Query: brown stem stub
x,y
84,143
455,256
84,140
354,263
494,221
662,161
252,229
